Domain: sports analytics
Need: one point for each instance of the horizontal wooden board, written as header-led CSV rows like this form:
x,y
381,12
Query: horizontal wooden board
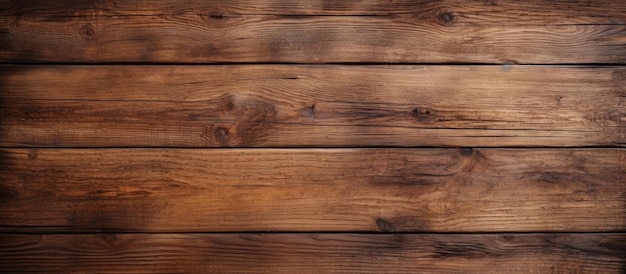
x,y
528,32
482,11
314,253
388,190
323,105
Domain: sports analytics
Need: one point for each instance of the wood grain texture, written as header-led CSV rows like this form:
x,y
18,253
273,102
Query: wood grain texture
x,y
388,190
315,253
329,105
484,11
116,165
529,32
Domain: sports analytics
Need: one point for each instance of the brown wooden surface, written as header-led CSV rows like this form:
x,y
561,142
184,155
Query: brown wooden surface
x,y
118,163
334,105
387,190
529,32
483,11
315,253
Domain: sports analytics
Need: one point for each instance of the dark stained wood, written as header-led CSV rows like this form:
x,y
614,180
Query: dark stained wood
x,y
388,190
315,253
483,11
525,32
330,105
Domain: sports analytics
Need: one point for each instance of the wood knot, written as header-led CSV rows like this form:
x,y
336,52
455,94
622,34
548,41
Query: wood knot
x,y
108,238
467,151
558,99
229,106
617,116
384,225
216,15
33,154
308,112
236,120
87,31
446,18
423,114
222,135
6,193
508,238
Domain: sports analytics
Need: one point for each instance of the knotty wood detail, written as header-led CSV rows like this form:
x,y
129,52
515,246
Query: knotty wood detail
x,y
279,105
314,253
449,31
214,136
484,12
384,190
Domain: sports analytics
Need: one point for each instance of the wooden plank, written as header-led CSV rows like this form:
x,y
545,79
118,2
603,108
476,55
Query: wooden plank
x,y
314,253
398,190
506,12
529,32
319,105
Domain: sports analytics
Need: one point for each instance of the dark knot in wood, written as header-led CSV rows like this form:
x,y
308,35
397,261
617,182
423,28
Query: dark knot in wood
x,y
424,114
216,15
222,135
33,154
384,225
446,18
87,31
237,120
308,112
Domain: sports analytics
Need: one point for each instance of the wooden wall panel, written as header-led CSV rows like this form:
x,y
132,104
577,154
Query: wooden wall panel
x,y
533,32
386,190
315,253
283,105
308,136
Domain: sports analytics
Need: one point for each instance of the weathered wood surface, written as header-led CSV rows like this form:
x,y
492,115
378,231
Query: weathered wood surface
x,y
330,105
314,253
388,190
152,209
482,11
528,32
